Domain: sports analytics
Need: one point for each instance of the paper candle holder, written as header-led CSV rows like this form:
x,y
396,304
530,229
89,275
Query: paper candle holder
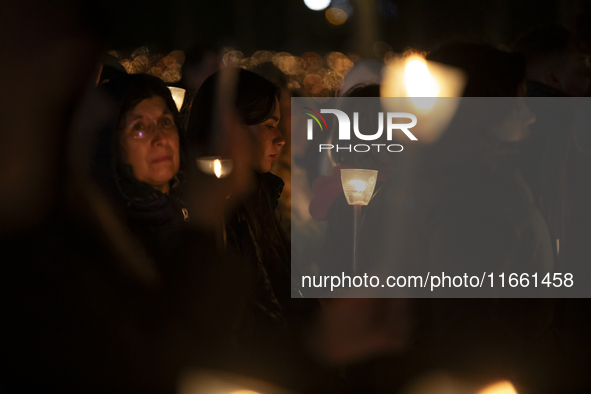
x,y
178,95
358,185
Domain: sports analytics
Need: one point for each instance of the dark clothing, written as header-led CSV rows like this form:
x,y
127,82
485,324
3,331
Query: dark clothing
x,y
560,175
154,217
255,234
270,335
241,241
468,218
552,166
83,317
540,155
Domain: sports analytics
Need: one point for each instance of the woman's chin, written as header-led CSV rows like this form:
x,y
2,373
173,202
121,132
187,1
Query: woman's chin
x,y
161,179
262,167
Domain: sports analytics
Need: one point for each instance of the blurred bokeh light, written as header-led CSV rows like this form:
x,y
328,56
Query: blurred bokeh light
x,y
336,16
317,5
167,68
503,387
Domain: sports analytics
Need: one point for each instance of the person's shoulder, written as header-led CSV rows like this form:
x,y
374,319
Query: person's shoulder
x,y
272,179
273,183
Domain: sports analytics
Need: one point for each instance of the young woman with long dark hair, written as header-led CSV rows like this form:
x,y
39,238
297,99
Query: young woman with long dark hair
x,y
253,229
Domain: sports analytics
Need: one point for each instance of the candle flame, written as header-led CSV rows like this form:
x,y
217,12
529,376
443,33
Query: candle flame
x,y
358,185
217,168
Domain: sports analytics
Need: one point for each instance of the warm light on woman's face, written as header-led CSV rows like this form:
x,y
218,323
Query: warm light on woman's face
x,y
267,141
150,143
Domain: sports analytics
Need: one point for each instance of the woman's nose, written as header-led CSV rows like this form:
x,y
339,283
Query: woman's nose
x,y
158,135
279,140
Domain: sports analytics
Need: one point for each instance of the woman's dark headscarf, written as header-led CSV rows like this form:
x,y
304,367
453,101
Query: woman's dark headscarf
x,y
113,174
254,103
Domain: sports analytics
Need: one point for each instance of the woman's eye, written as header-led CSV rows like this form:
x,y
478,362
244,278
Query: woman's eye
x,y
166,122
138,126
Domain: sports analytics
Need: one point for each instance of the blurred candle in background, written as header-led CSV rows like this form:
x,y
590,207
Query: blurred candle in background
x,y
429,90
178,95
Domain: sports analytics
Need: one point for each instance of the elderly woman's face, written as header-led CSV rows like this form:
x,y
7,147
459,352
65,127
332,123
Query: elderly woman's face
x,y
150,143
267,141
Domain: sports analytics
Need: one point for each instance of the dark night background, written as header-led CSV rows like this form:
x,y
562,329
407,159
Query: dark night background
x,y
250,25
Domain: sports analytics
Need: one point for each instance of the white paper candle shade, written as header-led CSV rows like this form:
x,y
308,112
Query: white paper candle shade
x,y
358,185
429,90
178,95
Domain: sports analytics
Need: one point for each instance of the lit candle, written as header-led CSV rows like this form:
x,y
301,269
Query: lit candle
x,y
358,185
214,165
